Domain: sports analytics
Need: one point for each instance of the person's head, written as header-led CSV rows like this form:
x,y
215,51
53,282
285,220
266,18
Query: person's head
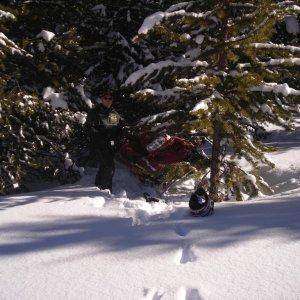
x,y
107,100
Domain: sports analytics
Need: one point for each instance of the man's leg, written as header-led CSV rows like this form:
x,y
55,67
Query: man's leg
x,y
106,171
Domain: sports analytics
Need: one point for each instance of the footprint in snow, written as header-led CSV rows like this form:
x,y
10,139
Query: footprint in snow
x,y
184,293
185,254
181,230
153,294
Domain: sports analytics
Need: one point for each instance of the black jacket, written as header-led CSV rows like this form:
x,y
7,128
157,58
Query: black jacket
x,y
104,126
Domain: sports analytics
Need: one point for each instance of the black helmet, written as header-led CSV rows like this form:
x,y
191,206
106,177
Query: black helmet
x,y
200,204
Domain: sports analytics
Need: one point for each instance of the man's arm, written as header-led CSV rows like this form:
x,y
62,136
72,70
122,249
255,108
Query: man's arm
x,y
92,123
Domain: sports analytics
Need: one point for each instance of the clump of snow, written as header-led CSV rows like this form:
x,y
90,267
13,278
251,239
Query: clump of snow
x,y
199,39
186,36
46,35
144,72
283,89
41,47
98,202
47,92
68,162
151,21
276,46
80,89
57,100
142,212
57,47
45,125
279,61
192,80
128,16
157,18
292,25
14,48
203,104
173,93
80,117
177,6
6,15
100,8
265,108
153,118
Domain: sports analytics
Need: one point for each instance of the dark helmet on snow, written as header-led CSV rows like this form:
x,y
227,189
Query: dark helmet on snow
x,y
200,204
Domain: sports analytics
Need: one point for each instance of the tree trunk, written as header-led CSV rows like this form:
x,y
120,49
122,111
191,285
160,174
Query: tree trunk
x,y
217,124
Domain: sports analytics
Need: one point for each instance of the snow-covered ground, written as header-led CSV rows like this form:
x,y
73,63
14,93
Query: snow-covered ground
x,y
75,242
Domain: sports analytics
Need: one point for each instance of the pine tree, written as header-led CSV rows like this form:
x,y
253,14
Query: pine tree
x,y
56,57
214,61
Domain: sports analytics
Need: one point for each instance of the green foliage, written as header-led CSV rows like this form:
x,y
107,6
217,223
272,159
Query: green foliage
x,y
244,83
32,140
90,52
95,48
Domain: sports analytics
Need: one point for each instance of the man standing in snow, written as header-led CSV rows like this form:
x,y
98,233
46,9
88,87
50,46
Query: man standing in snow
x,y
104,125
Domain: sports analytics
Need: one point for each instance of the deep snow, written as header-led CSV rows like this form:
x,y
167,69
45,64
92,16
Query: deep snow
x,y
75,242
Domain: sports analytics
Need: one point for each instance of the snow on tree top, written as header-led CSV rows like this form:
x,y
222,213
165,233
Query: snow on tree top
x,y
46,35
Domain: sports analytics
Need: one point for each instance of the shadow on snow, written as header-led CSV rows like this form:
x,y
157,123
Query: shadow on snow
x,y
231,224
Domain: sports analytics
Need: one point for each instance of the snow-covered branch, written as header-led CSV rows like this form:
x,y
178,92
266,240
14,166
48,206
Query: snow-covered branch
x,y
275,46
158,17
283,89
153,118
273,62
165,94
203,104
150,69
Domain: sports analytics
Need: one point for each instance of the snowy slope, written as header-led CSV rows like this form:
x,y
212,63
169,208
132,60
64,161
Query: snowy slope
x,y
75,242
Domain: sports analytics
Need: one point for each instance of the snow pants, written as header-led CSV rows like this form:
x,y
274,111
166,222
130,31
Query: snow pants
x,y
106,169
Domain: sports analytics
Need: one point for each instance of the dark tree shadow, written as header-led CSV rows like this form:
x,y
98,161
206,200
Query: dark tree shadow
x,y
231,224
63,193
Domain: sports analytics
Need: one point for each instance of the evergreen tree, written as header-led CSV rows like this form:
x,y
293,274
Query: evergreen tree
x,y
56,57
214,61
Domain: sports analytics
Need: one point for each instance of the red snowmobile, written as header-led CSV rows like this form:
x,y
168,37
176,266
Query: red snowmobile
x,y
147,157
